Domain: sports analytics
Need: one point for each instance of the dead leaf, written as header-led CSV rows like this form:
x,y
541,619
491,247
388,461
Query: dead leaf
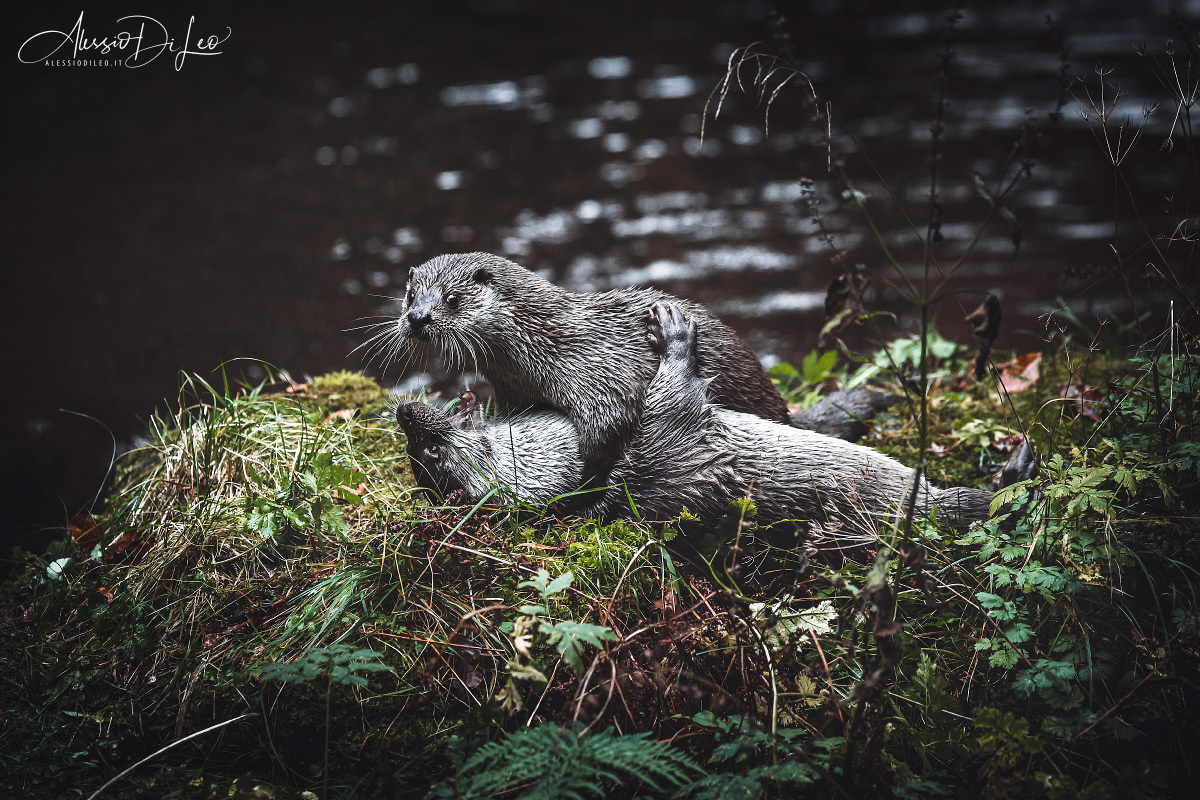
x,y
843,301
345,415
1007,444
121,543
669,603
1020,373
1085,401
84,530
129,546
938,450
296,387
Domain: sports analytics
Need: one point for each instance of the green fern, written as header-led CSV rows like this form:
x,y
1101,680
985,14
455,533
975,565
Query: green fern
x,y
547,762
568,636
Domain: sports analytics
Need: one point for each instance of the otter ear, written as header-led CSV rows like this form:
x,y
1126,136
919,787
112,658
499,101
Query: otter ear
x,y
482,275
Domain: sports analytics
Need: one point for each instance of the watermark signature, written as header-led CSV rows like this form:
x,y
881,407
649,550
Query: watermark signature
x,y
141,41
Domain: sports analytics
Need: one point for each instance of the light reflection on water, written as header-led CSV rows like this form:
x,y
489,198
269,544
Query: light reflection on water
x,y
627,233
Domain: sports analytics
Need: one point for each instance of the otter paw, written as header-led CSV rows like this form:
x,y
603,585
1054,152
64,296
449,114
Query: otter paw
x,y
672,333
1022,466
467,401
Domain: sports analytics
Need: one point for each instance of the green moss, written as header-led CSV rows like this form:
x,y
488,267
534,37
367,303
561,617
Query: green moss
x,y
338,390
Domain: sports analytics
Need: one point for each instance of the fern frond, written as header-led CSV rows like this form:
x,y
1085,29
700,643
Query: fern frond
x,y
547,762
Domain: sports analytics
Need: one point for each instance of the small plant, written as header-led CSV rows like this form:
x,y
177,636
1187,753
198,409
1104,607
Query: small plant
x,y
339,664
568,637
742,745
306,503
803,387
551,763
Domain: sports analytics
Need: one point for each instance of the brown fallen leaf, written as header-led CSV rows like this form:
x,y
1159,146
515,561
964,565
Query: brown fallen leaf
x,y
122,543
843,301
129,546
1020,373
345,415
84,530
1007,444
1085,401
296,387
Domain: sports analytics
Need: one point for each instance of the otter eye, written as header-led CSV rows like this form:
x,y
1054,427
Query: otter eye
x,y
408,298
432,450
452,301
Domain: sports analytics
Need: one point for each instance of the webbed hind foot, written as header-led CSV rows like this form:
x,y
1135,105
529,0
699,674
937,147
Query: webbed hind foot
x,y
672,334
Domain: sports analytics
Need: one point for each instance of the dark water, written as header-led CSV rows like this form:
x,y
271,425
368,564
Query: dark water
x,y
258,202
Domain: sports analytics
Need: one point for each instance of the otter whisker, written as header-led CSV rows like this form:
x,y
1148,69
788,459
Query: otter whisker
x,y
371,341
382,347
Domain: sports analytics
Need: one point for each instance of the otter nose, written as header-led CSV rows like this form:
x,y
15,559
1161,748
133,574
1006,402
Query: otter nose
x,y
419,319
404,414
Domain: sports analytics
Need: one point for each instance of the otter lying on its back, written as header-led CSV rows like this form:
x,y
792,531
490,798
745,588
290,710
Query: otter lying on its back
x,y
685,453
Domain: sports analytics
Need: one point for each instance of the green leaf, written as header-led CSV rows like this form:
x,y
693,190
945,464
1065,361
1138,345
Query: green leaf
x,y
783,370
570,637
981,188
560,583
308,481
538,582
1005,658
526,672
56,568
816,367
855,199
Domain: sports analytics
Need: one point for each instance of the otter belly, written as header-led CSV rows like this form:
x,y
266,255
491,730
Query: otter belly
x,y
533,458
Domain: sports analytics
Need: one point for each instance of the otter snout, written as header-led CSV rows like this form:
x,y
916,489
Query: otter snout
x,y
405,413
422,422
419,321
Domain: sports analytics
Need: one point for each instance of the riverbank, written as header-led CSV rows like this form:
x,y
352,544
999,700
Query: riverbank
x,y
264,562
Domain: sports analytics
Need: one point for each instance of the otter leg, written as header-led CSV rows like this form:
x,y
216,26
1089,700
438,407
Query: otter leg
x,y
964,506
670,445
677,388
961,505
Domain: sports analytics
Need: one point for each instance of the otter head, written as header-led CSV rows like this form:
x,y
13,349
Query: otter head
x,y
451,303
443,449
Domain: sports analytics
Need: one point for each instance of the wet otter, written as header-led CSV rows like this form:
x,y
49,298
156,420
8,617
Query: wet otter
x,y
685,453
582,354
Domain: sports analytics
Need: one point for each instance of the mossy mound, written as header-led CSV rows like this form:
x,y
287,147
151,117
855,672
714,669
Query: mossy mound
x,y
265,562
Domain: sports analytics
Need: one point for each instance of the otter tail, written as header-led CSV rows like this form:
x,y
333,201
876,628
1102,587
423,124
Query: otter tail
x,y
845,413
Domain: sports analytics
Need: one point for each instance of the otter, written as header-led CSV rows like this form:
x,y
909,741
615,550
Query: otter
x,y
583,354
685,454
